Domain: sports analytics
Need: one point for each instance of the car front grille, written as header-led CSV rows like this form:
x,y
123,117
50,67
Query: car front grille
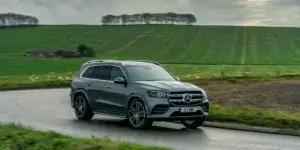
x,y
177,98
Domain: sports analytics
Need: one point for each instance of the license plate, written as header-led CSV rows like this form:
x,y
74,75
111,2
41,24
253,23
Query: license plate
x,y
188,109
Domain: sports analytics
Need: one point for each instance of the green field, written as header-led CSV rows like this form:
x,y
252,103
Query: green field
x,y
191,52
205,48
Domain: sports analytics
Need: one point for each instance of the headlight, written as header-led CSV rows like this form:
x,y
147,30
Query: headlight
x,y
157,94
205,98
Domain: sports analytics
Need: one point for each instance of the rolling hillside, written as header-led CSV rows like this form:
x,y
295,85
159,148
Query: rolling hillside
x,y
206,45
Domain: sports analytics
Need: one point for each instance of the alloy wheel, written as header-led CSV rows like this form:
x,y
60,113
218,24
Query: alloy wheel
x,y
137,115
80,106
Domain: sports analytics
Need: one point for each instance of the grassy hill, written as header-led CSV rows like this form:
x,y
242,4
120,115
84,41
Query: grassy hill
x,y
201,45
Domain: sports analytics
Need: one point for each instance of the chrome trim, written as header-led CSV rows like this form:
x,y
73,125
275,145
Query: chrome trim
x,y
181,100
109,103
107,114
181,95
100,60
176,109
175,98
145,61
95,65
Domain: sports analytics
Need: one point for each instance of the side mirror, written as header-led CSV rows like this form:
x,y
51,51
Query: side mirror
x,y
120,80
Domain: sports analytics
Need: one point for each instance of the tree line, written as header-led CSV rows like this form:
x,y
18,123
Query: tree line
x,y
13,19
148,18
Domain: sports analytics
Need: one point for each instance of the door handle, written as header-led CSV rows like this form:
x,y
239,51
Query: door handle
x,y
107,86
89,84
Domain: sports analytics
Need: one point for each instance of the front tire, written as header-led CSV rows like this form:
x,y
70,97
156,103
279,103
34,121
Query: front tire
x,y
82,109
137,115
193,124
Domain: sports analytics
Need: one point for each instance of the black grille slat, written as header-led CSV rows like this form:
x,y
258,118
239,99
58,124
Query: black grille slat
x,y
185,104
178,114
160,109
205,107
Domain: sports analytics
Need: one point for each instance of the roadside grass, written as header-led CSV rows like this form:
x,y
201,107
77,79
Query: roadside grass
x,y
16,137
254,117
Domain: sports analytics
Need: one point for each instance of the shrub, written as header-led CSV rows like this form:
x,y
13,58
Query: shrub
x,y
89,52
81,49
85,51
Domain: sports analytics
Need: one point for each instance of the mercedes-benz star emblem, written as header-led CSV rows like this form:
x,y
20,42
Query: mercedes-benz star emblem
x,y
186,98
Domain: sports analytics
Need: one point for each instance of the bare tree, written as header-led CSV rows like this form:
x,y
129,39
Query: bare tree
x,y
125,19
147,17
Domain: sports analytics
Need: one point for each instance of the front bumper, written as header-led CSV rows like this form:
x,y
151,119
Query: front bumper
x,y
173,113
163,110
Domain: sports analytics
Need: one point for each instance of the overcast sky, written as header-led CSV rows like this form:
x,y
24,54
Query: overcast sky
x,y
217,12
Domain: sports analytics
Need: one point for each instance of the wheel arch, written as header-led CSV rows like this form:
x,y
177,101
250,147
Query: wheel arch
x,y
133,97
81,92
136,96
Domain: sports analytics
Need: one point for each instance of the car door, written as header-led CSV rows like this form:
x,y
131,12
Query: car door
x,y
101,76
90,89
117,92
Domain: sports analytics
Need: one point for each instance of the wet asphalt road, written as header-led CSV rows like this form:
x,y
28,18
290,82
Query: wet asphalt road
x,y
50,110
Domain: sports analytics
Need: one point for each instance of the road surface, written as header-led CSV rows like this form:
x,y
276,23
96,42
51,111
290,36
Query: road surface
x,y
50,110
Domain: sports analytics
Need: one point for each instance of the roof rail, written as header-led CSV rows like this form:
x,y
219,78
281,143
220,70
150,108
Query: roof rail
x,y
148,61
99,60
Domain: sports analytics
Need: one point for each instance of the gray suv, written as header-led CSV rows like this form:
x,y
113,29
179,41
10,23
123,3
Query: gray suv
x,y
139,91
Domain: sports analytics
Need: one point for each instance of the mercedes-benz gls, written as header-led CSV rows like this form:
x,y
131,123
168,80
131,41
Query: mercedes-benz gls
x,y
139,91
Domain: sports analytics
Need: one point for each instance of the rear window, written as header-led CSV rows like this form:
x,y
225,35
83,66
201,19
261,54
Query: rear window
x,y
88,73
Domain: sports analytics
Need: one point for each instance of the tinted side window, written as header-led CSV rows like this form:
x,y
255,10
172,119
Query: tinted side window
x,y
102,72
88,73
116,72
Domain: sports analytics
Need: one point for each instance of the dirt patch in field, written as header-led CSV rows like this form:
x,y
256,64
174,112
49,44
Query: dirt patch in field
x,y
281,95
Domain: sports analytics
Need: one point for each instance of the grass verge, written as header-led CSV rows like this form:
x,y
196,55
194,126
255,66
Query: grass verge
x,y
244,115
254,117
15,137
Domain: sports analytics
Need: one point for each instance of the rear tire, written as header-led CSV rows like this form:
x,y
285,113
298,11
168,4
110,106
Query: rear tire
x,y
137,115
82,109
193,124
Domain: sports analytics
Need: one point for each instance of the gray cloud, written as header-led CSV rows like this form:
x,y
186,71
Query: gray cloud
x,y
220,12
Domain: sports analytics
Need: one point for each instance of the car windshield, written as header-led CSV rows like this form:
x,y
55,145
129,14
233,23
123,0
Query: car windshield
x,y
148,73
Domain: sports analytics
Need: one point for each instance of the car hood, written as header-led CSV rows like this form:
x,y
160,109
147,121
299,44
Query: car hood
x,y
169,85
